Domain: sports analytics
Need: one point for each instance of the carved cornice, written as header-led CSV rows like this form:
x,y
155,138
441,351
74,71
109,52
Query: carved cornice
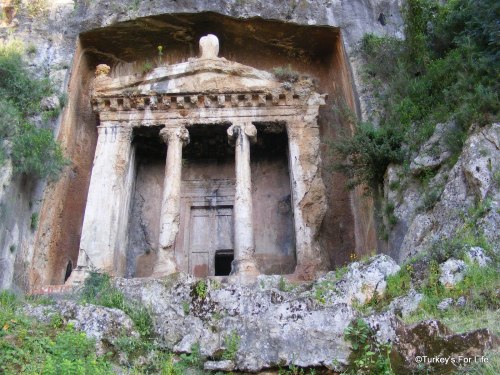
x,y
162,102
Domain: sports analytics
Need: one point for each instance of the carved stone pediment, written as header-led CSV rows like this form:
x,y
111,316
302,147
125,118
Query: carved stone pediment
x,y
200,76
199,84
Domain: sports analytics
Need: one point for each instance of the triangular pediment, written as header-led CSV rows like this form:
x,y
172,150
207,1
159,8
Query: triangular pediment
x,y
197,76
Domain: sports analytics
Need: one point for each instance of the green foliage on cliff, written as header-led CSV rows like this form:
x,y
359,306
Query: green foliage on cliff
x,y
31,347
32,149
368,356
445,69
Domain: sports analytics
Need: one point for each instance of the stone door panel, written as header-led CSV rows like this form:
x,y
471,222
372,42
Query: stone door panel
x,y
210,230
200,232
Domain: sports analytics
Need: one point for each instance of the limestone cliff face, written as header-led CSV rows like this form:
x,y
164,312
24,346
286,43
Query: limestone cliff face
x,y
72,37
459,202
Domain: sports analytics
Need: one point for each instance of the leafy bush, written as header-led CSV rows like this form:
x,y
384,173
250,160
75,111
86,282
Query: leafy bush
x,y
34,150
368,356
367,154
200,289
232,344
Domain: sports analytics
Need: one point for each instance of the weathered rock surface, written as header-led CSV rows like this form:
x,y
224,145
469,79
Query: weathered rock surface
x,y
275,323
471,181
445,304
481,159
103,324
226,365
362,281
434,152
452,272
476,254
405,305
303,325
418,344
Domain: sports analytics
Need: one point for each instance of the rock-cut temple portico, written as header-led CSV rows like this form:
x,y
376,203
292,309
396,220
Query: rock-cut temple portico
x,y
204,220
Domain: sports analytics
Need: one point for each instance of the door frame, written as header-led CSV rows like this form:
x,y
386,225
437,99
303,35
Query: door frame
x,y
199,193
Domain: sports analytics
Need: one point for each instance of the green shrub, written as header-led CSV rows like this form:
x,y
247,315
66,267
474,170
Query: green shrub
x,y
431,197
200,289
147,66
34,220
98,290
17,84
366,155
284,285
368,356
286,73
399,284
34,150
377,51
325,287
30,347
192,360
232,344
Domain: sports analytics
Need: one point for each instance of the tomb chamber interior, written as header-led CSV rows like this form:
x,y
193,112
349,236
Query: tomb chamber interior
x,y
204,244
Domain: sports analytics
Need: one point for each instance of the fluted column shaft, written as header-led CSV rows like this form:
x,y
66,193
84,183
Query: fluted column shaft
x,y
244,243
176,138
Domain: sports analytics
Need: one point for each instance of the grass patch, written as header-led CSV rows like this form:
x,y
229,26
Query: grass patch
x,y
479,287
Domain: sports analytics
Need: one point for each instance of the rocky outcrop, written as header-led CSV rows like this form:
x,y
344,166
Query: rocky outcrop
x,y
277,323
430,347
269,322
452,272
102,324
442,209
434,152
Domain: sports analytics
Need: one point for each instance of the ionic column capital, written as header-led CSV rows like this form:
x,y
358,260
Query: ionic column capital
x,y
247,129
178,133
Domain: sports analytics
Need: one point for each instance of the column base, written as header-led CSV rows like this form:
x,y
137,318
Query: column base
x,y
165,265
308,272
246,267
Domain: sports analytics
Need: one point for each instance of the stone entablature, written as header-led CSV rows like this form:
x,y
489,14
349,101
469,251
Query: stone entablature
x,y
166,102
208,90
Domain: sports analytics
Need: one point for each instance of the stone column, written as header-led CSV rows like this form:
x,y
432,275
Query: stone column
x,y
244,244
176,138
105,226
308,195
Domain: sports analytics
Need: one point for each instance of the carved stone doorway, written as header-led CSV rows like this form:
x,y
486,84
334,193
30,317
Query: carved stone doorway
x,y
206,226
210,236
